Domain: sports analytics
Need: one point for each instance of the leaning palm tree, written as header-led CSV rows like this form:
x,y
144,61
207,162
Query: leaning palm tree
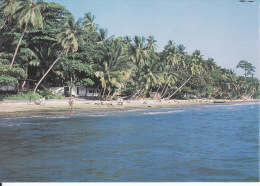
x,y
138,54
69,38
148,77
29,14
253,87
195,68
112,72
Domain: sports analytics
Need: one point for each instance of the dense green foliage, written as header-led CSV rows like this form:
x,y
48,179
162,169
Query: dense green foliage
x,y
41,41
30,96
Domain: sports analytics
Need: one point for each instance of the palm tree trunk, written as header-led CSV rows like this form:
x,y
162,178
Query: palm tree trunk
x,y
3,24
140,94
158,89
179,87
18,45
104,92
71,80
109,93
165,90
114,94
132,95
95,91
47,72
127,79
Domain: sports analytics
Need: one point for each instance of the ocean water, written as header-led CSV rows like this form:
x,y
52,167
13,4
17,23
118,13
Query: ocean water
x,y
207,143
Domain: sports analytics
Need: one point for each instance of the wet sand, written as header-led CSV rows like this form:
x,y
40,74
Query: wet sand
x,y
18,108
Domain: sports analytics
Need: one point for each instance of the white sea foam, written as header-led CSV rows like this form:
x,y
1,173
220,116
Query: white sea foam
x,y
57,117
247,103
133,110
96,115
168,112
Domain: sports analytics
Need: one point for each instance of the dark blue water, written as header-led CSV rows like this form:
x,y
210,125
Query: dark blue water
x,y
204,143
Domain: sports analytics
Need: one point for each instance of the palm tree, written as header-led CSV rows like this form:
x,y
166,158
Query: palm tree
x,y
210,65
170,81
181,49
151,45
137,51
138,54
43,57
29,14
69,38
148,77
195,68
112,71
8,9
169,77
102,36
252,87
231,82
127,40
88,23
169,44
174,56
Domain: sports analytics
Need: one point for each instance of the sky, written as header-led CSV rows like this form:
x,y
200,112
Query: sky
x,y
225,30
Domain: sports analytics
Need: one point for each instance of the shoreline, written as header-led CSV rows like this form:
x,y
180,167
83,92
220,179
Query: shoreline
x,y
21,108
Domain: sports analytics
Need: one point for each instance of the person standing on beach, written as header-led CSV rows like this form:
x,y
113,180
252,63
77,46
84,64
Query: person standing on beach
x,y
43,101
70,103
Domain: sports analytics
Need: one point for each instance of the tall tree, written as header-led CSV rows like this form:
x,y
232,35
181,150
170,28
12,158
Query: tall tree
x,y
88,23
247,67
138,52
151,45
9,9
112,71
69,38
195,68
29,14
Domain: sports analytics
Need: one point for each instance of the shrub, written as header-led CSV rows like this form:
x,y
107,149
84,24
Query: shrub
x,y
22,96
29,95
49,94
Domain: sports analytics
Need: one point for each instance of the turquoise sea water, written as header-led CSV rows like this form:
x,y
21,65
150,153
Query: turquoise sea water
x,y
212,143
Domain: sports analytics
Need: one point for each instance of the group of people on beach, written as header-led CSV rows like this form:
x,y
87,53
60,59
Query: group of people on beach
x,y
41,101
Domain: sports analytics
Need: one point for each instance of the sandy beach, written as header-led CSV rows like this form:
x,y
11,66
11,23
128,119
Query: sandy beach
x,y
15,108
